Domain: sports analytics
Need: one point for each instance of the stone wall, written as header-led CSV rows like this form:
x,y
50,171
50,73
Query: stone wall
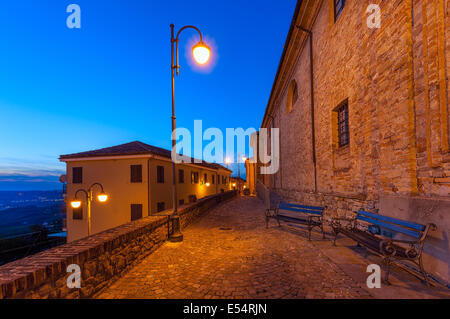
x,y
103,257
396,81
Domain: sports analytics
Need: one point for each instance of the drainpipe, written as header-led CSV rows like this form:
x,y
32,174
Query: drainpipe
x,y
311,74
149,206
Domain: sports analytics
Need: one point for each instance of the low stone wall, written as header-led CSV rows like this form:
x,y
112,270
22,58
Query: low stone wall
x,y
103,257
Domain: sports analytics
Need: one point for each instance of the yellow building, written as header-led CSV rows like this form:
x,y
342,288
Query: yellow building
x,y
137,178
250,168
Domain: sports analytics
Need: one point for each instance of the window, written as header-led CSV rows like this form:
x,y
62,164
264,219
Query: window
x,y
77,175
77,213
181,176
292,96
160,206
206,178
194,178
136,173
136,211
343,129
181,202
218,179
213,179
160,174
338,7
223,180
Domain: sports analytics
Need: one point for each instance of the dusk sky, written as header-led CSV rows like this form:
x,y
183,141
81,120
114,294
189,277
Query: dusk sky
x,y
69,90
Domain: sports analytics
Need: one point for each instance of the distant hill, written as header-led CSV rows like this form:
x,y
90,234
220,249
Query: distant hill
x,y
20,210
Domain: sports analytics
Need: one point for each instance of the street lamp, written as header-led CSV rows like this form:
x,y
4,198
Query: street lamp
x,y
201,53
102,198
228,161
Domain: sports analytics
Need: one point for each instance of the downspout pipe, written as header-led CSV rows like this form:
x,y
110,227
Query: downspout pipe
x,y
311,74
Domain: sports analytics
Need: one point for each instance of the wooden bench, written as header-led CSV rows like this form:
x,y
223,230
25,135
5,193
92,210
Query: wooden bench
x,y
311,216
376,232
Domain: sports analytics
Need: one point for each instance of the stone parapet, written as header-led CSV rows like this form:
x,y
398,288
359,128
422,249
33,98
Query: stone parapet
x,y
102,257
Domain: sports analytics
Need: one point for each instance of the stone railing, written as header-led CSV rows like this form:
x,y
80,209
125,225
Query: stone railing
x,y
102,257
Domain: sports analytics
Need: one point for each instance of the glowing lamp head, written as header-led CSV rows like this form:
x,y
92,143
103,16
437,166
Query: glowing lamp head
x,y
75,204
208,184
201,52
244,158
234,184
228,161
102,198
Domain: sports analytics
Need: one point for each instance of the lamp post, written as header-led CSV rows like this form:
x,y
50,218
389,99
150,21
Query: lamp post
x,y
102,197
201,53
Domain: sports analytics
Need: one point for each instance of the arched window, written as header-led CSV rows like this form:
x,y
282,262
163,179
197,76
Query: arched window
x,y
292,96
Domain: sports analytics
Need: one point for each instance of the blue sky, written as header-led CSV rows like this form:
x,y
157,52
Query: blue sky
x,y
68,90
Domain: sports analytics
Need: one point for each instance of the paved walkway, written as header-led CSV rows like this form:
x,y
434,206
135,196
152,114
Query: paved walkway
x,y
229,253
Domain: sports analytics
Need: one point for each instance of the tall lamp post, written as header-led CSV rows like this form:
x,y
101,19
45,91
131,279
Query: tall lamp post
x,y
201,53
76,203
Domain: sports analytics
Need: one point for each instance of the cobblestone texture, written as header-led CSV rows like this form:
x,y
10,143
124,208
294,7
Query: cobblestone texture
x,y
230,254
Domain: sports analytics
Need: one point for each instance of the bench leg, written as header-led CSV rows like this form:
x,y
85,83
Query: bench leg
x,y
309,233
323,232
424,273
335,236
278,220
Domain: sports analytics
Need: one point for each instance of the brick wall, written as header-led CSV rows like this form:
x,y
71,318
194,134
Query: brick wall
x,y
103,257
396,81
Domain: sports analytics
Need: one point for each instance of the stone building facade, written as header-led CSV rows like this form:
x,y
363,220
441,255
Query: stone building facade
x,y
363,113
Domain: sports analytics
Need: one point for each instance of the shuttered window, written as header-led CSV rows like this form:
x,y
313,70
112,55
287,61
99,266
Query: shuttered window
x,y
181,176
160,174
136,173
136,211
194,178
77,175
213,179
77,213
160,206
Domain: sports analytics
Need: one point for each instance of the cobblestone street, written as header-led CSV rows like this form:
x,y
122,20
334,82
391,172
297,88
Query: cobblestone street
x,y
229,253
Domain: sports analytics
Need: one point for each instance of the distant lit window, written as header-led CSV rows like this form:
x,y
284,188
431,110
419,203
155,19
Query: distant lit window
x,y
136,211
160,174
136,173
338,7
194,178
77,175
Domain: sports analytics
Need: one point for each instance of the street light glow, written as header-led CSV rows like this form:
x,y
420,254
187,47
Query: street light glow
x,y
227,160
75,204
201,53
102,198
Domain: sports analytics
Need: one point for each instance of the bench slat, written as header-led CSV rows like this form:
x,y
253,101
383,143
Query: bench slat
x,y
399,229
400,222
307,211
300,206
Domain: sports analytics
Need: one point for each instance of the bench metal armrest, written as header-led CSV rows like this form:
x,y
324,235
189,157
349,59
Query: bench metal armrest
x,y
387,247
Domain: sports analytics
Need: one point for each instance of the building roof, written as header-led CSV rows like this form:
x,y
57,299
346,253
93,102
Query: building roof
x,y
283,55
133,148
